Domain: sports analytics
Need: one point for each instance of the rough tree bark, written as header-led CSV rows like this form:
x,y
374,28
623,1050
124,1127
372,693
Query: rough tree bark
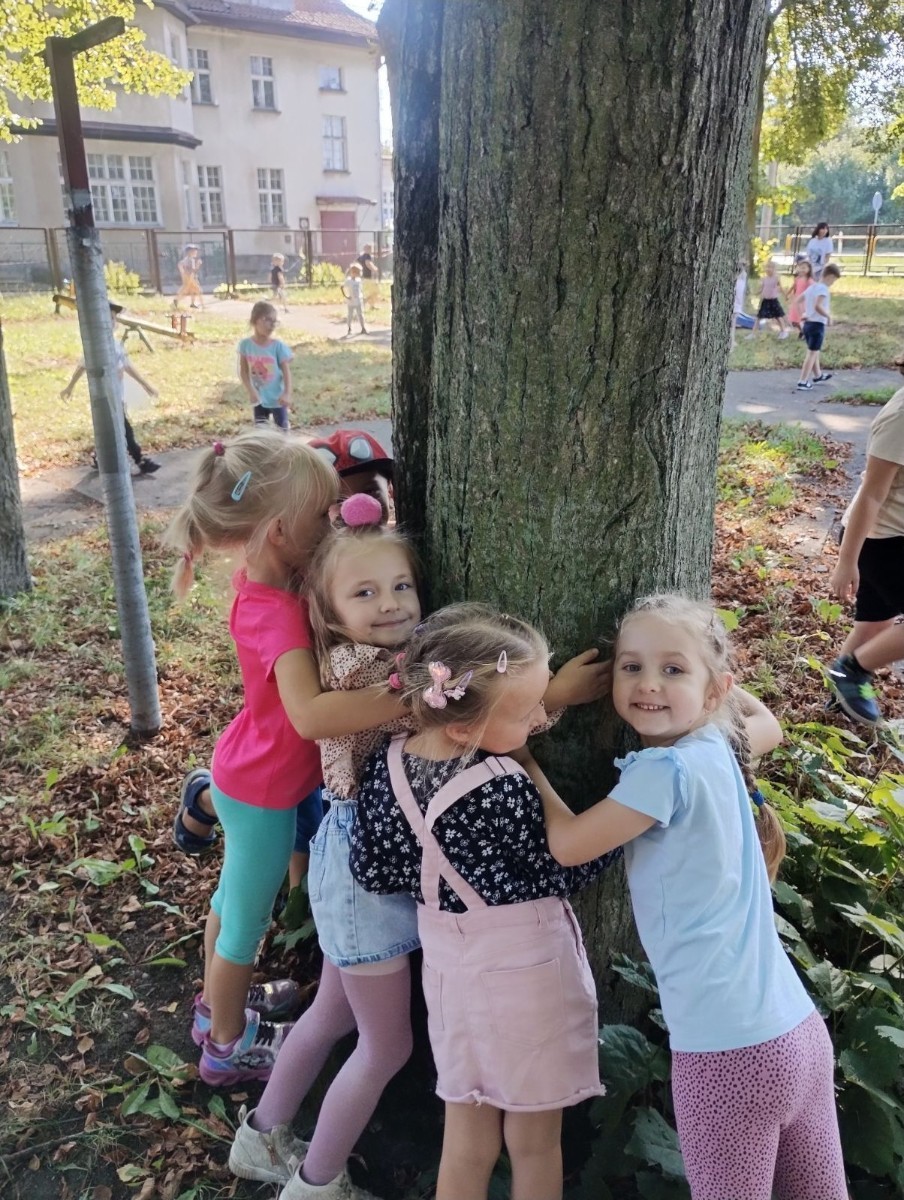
x,y
14,573
587,165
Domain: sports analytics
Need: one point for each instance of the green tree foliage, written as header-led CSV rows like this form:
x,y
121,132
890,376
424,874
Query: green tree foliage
x,y
817,52
839,181
124,63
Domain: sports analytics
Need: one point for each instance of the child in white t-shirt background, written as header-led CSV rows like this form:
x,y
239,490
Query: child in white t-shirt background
x,y
817,317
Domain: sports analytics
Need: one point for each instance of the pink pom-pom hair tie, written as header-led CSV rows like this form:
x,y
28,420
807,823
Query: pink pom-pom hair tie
x,y
361,510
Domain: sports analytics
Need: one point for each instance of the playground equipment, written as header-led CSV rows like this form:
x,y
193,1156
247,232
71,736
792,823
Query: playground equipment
x,y
177,329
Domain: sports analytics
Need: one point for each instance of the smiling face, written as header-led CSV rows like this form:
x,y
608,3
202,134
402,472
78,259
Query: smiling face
x,y
661,686
373,593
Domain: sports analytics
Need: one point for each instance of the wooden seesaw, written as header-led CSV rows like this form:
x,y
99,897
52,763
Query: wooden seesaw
x,y
178,328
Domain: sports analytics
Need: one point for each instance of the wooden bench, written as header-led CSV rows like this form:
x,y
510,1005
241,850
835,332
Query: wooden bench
x,y
178,327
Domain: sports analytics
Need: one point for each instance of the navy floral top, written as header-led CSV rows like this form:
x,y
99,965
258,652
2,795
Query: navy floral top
x,y
495,837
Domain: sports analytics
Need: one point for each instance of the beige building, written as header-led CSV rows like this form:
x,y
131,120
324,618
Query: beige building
x,y
278,133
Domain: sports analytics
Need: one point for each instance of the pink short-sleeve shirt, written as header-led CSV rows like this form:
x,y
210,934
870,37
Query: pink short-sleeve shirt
x,y
260,759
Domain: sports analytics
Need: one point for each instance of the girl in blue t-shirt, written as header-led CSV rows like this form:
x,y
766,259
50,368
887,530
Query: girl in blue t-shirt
x,y
264,368
752,1063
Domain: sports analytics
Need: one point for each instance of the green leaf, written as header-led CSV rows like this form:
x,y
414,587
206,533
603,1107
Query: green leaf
x,y
119,989
654,1187
629,1062
640,975
832,986
889,931
165,961
102,941
871,1134
793,902
892,1034
134,1102
132,1173
168,1105
655,1141
217,1108
165,1061
860,1070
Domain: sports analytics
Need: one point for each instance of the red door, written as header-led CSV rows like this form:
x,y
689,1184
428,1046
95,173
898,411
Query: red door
x,y
338,237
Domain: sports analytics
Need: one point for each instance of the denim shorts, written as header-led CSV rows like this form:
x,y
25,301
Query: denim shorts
x,y
814,334
353,926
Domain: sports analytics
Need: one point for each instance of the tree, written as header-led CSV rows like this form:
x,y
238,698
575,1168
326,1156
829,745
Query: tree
x,y
840,180
570,185
14,574
124,63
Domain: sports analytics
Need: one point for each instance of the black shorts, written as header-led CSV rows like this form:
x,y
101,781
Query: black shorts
x,y
814,334
880,596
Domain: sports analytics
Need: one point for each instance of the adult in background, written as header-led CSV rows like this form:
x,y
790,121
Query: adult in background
x,y
820,249
871,566
369,276
189,273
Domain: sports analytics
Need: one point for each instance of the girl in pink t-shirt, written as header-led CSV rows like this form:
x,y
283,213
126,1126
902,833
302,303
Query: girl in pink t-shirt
x,y
269,496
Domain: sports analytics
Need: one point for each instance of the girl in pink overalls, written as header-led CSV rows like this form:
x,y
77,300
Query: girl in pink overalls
x,y
511,1002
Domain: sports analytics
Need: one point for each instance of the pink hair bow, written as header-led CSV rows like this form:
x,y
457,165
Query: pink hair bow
x,y
438,694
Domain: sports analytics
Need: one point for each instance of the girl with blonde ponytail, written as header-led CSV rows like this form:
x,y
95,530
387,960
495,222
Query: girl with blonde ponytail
x,y
752,1063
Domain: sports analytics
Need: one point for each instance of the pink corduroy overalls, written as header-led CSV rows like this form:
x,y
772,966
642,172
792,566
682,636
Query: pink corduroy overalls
x,y
511,1003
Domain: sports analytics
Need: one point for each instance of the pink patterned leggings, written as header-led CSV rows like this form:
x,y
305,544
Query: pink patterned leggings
x,y
761,1119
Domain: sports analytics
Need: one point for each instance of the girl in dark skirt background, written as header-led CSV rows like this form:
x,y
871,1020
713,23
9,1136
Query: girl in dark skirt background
x,y
770,306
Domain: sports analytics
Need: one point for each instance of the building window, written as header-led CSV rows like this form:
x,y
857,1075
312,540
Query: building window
x,y
175,50
122,189
331,79
270,196
335,150
7,196
201,91
210,188
263,88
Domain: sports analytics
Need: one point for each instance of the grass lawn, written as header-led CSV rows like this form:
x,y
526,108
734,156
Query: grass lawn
x,y
868,329
200,394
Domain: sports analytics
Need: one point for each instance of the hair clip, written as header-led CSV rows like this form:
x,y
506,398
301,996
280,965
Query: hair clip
x,y
437,695
395,681
239,490
219,449
758,798
502,663
419,628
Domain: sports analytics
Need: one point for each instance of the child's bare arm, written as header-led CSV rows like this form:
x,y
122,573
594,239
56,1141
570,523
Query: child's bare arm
x,y
763,730
76,376
318,714
245,376
286,396
140,379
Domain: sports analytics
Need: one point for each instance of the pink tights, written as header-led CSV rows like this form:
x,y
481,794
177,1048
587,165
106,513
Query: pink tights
x,y
379,1007
760,1119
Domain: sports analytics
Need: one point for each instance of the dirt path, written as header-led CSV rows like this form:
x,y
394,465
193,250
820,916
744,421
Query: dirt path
x,y
63,500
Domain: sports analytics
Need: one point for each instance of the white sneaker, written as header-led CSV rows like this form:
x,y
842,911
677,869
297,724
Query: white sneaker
x,y
783,335
272,1157
340,1188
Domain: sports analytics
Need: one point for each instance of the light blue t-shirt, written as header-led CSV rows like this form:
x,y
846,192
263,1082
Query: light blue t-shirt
x,y
264,364
702,900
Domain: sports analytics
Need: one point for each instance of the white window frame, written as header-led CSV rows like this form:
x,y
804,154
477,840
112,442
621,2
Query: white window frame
x,y
201,82
271,196
7,191
263,83
123,189
334,143
175,49
331,79
210,192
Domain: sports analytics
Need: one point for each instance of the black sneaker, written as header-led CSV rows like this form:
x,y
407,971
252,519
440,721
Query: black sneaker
x,y
147,466
804,387
823,378
854,689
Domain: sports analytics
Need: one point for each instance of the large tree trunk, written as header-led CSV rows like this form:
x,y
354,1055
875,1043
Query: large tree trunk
x,y
559,459
14,573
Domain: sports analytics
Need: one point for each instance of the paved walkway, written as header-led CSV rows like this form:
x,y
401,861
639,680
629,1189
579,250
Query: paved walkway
x,y
62,500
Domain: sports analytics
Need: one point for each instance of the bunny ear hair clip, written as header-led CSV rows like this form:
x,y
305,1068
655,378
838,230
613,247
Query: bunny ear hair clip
x,y
438,694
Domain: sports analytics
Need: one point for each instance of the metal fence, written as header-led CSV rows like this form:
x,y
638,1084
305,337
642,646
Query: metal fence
x,y
232,260
860,249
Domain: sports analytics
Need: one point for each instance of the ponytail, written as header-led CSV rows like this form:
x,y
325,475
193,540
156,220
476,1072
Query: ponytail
x,y
768,826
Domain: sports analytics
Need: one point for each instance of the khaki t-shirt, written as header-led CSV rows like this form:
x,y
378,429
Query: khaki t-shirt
x,y
886,441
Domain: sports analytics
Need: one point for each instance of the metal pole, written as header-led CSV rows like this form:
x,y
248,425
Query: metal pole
x,y
309,256
53,261
231,276
104,389
154,261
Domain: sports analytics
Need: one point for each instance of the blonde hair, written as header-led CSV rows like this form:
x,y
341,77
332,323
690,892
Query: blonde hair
x,y
354,268
703,624
328,630
239,487
466,638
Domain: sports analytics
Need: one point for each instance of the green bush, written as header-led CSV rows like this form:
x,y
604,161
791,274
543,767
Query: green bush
x,y
120,280
840,915
324,273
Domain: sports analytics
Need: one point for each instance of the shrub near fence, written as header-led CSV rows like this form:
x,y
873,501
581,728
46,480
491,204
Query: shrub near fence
x,y
33,259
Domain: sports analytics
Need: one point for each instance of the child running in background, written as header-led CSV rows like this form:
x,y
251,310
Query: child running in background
x,y
362,589
190,275
817,317
352,292
124,367
264,368
269,496
803,277
770,306
752,1063
511,1002
278,279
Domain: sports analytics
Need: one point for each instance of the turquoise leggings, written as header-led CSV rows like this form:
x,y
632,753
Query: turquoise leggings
x,y
258,846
